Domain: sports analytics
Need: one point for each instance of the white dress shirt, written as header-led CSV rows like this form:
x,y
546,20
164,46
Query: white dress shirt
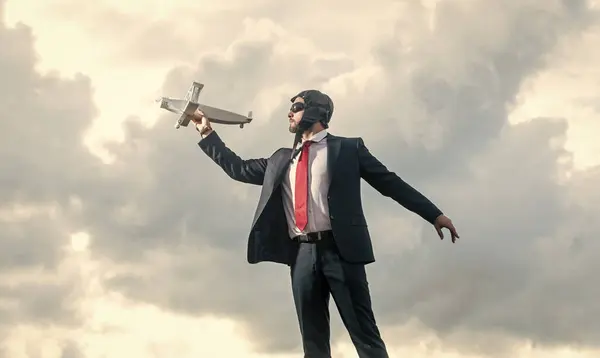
x,y
318,185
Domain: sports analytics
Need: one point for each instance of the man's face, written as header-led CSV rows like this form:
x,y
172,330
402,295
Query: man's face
x,y
295,114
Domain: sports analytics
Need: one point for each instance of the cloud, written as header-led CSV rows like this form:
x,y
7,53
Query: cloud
x,y
43,166
432,102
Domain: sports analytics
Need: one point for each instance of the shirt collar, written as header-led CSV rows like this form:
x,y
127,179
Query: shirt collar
x,y
318,136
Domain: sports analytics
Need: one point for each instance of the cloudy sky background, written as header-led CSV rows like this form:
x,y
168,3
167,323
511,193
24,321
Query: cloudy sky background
x,y
120,238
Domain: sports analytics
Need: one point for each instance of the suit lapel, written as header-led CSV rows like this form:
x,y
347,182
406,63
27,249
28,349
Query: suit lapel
x,y
333,152
279,173
282,168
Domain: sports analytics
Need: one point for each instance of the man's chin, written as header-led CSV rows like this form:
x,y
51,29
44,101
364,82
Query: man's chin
x,y
293,128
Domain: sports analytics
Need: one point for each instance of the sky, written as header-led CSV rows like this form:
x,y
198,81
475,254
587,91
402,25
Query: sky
x,y
119,237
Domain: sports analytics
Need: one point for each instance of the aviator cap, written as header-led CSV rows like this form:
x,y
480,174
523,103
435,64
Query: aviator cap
x,y
318,107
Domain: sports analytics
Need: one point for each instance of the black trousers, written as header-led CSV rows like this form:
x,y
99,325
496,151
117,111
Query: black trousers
x,y
319,272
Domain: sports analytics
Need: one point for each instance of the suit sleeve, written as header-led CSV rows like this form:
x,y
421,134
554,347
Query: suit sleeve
x,y
251,171
391,185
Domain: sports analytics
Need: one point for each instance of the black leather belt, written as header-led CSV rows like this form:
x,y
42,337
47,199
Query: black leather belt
x,y
312,237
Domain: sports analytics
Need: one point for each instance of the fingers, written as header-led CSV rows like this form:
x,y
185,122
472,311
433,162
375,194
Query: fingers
x,y
201,123
439,231
198,117
454,233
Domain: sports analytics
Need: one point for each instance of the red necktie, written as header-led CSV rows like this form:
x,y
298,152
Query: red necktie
x,y
301,192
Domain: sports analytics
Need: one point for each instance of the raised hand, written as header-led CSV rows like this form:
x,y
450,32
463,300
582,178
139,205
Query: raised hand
x,y
201,122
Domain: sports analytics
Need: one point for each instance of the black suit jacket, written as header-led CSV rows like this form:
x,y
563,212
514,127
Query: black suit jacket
x,y
348,161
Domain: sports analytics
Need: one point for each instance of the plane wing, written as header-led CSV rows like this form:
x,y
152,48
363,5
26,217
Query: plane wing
x,y
217,115
174,105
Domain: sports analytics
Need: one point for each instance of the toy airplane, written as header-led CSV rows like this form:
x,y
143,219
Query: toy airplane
x,y
187,106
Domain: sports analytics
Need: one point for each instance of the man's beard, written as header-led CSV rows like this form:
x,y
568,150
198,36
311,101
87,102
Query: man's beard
x,y
293,128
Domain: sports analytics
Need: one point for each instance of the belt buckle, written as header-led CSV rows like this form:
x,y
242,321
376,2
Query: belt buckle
x,y
313,236
305,238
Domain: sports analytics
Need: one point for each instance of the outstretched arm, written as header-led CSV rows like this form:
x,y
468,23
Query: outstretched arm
x,y
391,185
251,171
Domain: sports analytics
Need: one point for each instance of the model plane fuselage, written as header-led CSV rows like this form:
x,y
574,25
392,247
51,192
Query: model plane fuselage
x,y
187,106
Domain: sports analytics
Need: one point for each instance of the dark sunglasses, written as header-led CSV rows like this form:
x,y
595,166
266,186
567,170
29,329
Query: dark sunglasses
x,y
297,107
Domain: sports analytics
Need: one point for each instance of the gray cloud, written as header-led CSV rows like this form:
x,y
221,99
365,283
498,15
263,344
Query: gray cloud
x,y
43,168
438,116
71,350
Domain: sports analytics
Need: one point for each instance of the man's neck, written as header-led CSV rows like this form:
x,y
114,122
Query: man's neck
x,y
312,132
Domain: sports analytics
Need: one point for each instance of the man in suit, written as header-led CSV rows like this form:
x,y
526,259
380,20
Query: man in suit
x,y
310,218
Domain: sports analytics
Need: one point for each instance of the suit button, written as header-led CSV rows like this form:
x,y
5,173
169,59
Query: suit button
x,y
331,217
